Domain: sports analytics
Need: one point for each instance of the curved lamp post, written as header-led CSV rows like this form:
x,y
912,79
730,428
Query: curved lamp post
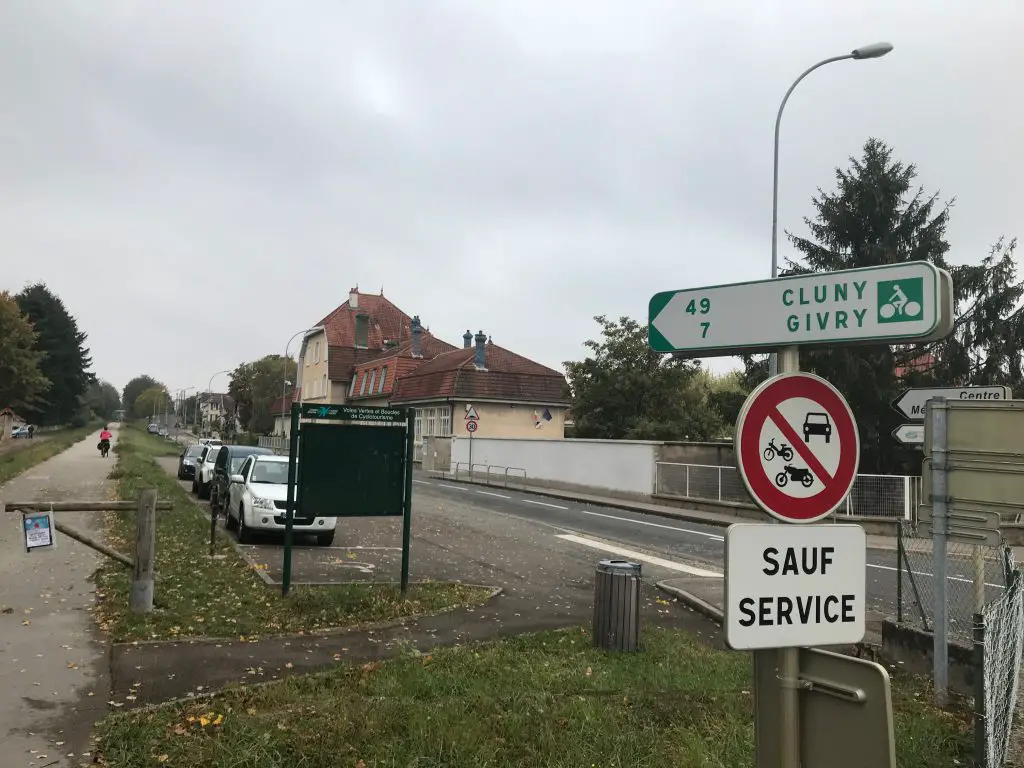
x,y
873,51
284,379
209,386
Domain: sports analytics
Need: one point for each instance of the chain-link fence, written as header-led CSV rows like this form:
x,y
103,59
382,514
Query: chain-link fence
x,y
985,610
893,497
976,576
1000,634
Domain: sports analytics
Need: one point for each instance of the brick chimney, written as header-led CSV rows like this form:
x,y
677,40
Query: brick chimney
x,y
417,336
480,360
467,339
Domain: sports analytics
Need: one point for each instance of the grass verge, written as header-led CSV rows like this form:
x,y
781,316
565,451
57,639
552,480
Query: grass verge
x,y
14,462
536,700
200,596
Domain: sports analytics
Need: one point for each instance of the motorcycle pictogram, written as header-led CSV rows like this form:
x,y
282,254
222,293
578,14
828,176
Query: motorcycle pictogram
x,y
796,474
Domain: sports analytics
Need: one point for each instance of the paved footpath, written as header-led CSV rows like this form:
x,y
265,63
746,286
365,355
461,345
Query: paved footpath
x,y
54,674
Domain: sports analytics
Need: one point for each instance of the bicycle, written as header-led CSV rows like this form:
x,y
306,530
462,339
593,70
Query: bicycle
x,y
785,451
899,304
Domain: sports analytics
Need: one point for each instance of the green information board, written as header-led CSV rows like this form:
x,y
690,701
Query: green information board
x,y
358,464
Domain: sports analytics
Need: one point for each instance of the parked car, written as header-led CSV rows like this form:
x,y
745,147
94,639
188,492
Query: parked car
x,y
204,471
162,431
153,429
21,432
229,460
210,441
257,501
187,461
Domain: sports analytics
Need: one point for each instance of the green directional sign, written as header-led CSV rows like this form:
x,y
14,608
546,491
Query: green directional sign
x,y
895,303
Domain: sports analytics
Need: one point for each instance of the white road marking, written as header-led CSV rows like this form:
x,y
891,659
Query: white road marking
x,y
713,536
496,495
452,487
422,482
922,573
633,555
544,504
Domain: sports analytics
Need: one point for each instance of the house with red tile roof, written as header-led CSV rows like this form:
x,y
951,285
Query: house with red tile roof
x,y
511,395
368,351
354,343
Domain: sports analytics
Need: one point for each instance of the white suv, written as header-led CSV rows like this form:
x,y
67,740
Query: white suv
x,y
257,501
204,471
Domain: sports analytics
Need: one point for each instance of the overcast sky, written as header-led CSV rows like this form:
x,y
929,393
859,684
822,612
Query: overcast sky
x,y
200,180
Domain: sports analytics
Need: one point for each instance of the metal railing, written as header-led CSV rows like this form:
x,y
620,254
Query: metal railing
x,y
891,497
488,474
276,443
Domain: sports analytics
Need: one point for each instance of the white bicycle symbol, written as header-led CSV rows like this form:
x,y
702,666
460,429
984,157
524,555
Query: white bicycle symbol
x,y
899,304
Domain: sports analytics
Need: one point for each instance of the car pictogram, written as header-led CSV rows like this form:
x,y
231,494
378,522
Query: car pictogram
x,y
817,424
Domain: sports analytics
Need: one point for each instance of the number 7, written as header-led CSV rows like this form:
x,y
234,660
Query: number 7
x,y
704,332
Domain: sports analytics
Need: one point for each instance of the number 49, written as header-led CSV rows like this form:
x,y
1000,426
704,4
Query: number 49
x,y
703,306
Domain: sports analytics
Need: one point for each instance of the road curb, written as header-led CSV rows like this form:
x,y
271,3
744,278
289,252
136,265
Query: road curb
x,y
693,602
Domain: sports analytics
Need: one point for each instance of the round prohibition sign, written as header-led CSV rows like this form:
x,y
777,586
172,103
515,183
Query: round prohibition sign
x,y
471,426
797,447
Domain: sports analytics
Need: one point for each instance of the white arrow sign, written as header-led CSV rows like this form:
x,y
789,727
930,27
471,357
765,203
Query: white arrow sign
x,y
909,434
911,403
894,303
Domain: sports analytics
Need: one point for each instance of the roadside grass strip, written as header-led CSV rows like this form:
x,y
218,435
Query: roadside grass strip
x,y
547,699
222,597
17,459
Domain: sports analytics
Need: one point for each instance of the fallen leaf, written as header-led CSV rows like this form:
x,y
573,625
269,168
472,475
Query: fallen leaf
x,y
162,758
289,665
589,672
180,730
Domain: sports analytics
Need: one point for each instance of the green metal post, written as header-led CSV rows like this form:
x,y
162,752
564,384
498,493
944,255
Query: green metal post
x,y
410,438
293,451
980,740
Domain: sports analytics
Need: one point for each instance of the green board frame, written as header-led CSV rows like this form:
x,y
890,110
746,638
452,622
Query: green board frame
x,y
359,465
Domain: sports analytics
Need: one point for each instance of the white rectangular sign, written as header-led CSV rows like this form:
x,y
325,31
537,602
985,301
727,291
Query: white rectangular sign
x,y
911,402
894,303
790,586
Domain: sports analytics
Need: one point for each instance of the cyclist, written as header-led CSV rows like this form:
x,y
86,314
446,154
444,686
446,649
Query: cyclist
x,y
105,437
899,298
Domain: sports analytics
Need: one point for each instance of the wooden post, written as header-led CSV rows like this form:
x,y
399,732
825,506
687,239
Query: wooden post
x,y
141,600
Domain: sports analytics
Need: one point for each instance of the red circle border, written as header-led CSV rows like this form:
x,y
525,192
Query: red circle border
x,y
748,451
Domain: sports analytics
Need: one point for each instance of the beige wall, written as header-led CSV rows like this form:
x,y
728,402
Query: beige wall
x,y
507,420
313,370
339,391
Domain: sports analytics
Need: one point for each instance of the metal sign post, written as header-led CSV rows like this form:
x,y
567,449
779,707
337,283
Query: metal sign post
x,y
472,420
800,481
939,499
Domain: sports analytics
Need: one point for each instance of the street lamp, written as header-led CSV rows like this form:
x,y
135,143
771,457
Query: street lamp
x,y
181,400
209,386
873,51
284,378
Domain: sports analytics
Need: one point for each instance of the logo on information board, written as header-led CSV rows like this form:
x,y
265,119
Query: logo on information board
x,y
797,447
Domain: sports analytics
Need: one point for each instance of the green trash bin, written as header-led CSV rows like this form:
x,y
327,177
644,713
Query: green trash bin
x,y
617,605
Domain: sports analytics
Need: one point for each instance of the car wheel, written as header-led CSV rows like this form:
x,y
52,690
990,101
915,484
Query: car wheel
x,y
244,534
229,522
204,490
325,539
195,487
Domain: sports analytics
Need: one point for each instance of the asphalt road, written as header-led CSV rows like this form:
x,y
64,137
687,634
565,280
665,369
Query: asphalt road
x,y
681,545
491,526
